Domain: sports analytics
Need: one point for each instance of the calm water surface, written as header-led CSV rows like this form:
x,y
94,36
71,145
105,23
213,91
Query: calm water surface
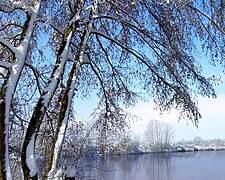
x,y
208,165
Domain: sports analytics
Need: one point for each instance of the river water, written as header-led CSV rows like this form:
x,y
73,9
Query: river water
x,y
205,165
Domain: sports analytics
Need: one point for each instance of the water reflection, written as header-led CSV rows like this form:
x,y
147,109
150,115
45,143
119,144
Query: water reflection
x,y
122,166
156,166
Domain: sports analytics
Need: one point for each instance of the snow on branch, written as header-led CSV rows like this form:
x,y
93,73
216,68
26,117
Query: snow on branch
x,y
10,24
4,69
5,65
9,45
58,29
9,6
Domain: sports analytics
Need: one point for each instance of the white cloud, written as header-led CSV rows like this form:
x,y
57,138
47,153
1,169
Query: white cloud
x,y
212,108
211,125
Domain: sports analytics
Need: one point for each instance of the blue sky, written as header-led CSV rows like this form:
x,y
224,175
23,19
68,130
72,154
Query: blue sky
x,y
211,125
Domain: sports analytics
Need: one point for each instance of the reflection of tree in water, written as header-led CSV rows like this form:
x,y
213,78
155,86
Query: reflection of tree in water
x,y
124,166
89,166
215,155
128,164
155,166
219,155
158,166
84,166
106,168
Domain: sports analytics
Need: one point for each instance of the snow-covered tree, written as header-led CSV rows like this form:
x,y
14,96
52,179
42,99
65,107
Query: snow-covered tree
x,y
197,140
15,39
111,47
158,136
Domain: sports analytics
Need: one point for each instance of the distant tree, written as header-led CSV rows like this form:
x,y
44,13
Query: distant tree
x,y
111,129
197,140
124,144
136,144
158,136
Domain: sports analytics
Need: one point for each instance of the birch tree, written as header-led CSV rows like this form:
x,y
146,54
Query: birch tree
x,y
158,136
15,39
111,47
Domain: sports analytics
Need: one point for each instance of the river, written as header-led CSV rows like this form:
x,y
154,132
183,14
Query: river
x,y
204,165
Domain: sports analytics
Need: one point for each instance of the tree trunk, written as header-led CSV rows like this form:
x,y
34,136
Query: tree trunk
x,y
54,153
29,165
2,141
44,100
9,87
55,150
